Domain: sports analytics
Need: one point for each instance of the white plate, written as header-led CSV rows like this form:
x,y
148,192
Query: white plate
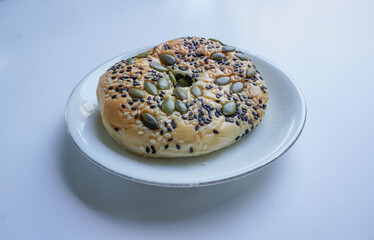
x,y
278,130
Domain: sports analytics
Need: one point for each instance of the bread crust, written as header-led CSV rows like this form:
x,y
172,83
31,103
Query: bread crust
x,y
203,128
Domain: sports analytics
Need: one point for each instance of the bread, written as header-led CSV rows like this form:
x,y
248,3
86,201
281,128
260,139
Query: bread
x,y
185,97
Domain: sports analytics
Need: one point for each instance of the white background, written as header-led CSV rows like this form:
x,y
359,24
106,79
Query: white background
x,y
322,188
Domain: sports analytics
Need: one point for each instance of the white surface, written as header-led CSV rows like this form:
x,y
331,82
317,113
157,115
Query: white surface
x,y
321,189
285,118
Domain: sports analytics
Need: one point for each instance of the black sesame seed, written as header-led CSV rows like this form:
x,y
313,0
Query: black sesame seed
x,y
166,146
147,149
117,129
170,139
178,147
114,96
191,150
169,129
215,131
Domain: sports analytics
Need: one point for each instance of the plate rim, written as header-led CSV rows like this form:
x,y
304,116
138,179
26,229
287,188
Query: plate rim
x,y
203,183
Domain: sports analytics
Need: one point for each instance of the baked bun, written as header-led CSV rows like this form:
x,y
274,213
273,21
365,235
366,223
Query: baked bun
x,y
185,97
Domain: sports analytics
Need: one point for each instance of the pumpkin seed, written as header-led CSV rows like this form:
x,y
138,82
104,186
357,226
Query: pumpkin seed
x,y
172,78
150,88
229,108
242,56
130,61
179,93
222,80
168,106
180,106
215,40
228,48
237,87
167,59
158,67
185,81
144,54
149,121
250,72
196,91
217,56
136,93
163,83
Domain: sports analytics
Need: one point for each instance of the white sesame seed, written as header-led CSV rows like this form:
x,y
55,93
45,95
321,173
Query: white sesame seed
x,y
167,135
140,132
152,141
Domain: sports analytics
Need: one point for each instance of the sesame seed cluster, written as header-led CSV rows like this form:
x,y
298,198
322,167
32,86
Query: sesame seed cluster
x,y
185,97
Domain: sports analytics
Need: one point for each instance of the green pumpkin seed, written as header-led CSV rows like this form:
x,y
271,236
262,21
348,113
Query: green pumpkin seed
x,y
242,56
167,59
229,108
179,93
215,40
217,56
180,106
222,81
136,93
144,54
172,78
237,87
130,61
251,72
151,88
168,106
185,81
163,83
196,91
149,121
228,48
158,67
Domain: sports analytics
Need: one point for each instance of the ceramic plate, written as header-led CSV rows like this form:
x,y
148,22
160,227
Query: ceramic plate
x,y
279,129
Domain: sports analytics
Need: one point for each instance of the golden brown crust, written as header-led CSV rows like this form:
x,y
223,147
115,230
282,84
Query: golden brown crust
x,y
203,128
